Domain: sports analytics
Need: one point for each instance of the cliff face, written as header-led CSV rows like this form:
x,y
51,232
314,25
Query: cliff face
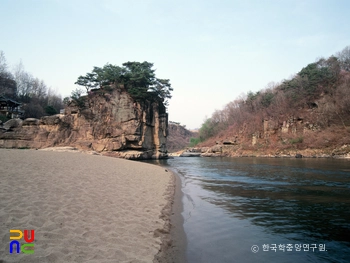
x,y
108,122
285,137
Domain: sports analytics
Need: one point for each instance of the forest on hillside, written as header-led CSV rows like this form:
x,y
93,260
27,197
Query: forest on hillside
x,y
36,97
318,96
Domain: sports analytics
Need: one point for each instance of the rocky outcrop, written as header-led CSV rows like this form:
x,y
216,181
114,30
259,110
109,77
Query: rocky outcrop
x,y
221,150
294,136
190,154
108,122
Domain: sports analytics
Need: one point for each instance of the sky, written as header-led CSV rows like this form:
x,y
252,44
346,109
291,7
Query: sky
x,y
212,51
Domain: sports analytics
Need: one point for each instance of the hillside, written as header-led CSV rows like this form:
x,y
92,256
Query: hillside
x,y
307,114
178,137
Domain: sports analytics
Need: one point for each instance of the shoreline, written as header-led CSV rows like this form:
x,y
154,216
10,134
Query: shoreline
x,y
253,155
178,232
235,150
174,247
106,209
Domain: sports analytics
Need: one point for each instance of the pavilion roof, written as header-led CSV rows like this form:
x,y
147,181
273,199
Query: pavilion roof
x,y
7,101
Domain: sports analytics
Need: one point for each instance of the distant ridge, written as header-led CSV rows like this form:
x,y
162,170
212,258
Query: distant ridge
x,y
178,136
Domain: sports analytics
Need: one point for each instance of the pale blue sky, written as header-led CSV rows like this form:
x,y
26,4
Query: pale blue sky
x,y
212,51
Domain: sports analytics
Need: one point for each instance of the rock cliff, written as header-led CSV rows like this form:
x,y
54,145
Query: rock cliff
x,y
110,122
293,136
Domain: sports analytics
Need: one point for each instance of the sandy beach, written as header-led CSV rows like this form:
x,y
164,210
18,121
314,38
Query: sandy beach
x,y
84,208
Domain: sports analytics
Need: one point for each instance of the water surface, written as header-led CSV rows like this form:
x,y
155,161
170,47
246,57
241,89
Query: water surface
x,y
232,204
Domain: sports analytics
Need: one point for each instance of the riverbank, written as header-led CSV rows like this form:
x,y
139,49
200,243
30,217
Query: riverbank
x,y
342,152
174,247
84,208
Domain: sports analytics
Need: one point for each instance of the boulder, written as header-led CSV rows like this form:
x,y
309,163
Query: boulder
x,y
30,122
50,120
98,147
190,154
216,149
11,124
208,154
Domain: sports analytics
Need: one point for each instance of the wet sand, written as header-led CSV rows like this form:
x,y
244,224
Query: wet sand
x,y
86,208
174,248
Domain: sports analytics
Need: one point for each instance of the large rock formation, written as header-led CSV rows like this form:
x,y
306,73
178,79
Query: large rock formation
x,y
110,122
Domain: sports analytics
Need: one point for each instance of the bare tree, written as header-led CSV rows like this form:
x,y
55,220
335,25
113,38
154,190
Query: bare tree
x,y
39,88
24,81
344,58
54,99
8,86
3,63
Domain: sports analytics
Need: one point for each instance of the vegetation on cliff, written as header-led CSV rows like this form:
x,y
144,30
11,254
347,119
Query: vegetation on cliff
x,y
310,110
137,78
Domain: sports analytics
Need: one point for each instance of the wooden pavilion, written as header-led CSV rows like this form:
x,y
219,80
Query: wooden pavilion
x,y
10,108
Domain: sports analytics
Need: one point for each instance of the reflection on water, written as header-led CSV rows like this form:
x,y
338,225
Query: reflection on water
x,y
231,204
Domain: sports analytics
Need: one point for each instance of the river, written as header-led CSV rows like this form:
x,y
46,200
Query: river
x,y
265,209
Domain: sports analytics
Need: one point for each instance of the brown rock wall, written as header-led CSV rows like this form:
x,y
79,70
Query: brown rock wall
x,y
108,122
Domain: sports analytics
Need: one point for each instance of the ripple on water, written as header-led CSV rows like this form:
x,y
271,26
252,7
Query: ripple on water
x,y
235,203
